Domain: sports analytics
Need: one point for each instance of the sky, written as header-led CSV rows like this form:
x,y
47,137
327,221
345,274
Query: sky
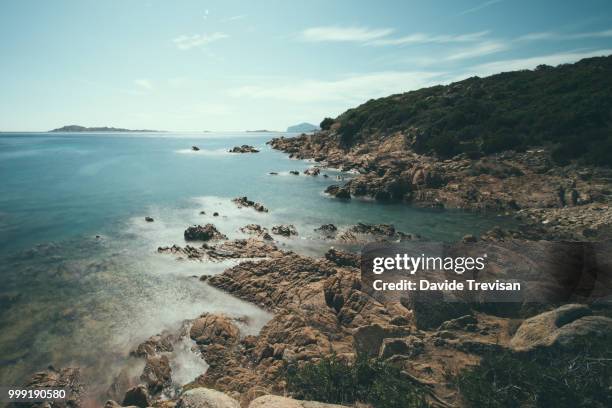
x,y
189,65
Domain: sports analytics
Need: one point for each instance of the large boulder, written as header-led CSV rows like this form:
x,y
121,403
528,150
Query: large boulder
x,y
407,346
338,192
274,401
369,339
431,309
214,329
206,398
207,232
562,327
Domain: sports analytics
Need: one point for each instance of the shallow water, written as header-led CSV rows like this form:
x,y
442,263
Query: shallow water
x,y
70,297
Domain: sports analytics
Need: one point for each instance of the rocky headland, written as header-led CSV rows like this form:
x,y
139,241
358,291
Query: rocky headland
x,y
456,146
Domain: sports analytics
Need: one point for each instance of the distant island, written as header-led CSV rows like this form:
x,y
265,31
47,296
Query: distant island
x,y
303,127
77,128
261,131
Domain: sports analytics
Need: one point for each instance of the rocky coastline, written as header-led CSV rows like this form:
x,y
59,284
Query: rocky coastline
x,y
322,310
554,202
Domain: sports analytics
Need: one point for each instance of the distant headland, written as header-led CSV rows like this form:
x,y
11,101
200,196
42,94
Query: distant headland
x,y
77,128
303,128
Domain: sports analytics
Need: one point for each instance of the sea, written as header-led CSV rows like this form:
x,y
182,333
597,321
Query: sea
x,y
81,282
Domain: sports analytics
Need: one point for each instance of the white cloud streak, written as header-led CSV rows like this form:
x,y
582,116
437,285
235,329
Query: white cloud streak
x,y
480,7
351,89
186,42
422,38
550,35
343,34
479,50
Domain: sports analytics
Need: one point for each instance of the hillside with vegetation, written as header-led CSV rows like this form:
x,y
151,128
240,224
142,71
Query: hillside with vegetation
x,y
568,107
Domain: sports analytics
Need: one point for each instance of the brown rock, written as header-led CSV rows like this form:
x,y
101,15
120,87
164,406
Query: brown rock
x,y
214,329
207,232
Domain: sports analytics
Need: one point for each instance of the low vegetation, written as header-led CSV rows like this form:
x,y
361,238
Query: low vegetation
x,y
568,107
368,380
580,378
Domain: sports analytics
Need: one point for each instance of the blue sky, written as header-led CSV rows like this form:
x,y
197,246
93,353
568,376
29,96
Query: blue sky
x,y
236,65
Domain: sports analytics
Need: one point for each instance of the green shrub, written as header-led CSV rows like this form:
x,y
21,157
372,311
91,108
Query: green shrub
x,y
561,379
326,123
369,380
568,107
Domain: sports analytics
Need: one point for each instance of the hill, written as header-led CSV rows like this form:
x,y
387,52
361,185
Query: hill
x,y
534,143
77,128
303,128
568,107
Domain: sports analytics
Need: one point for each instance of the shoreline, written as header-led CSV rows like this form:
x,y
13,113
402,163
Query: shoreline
x,y
551,202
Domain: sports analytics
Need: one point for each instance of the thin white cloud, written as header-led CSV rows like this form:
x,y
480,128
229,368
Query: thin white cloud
x,y
480,7
143,84
234,18
352,89
343,34
422,38
479,50
551,35
382,36
186,42
532,62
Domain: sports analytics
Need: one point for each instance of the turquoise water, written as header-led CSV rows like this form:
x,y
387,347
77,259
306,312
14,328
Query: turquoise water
x,y
70,297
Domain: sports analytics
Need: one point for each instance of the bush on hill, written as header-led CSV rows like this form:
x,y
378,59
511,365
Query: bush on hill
x,y
568,107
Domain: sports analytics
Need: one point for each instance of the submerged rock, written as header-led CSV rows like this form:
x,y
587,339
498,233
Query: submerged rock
x,y
203,233
68,378
257,230
243,149
338,192
245,202
313,171
285,230
328,230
